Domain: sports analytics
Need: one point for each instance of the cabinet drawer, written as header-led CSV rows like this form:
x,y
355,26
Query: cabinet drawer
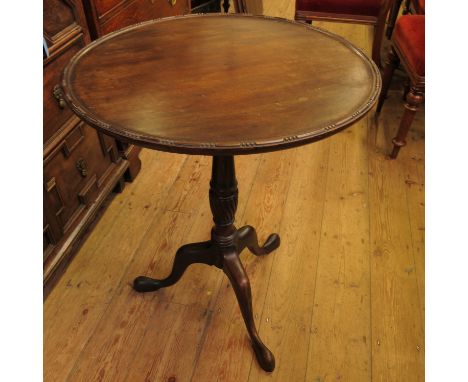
x,y
74,172
56,112
142,10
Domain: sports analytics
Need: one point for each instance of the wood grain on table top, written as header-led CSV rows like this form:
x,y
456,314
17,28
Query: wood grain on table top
x,y
221,84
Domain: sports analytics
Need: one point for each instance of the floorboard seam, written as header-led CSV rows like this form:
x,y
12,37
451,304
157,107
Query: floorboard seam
x,y
124,273
369,178
273,261
201,343
411,224
316,264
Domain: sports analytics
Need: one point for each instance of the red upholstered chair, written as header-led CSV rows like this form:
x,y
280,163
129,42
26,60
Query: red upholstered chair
x,y
371,12
417,7
408,48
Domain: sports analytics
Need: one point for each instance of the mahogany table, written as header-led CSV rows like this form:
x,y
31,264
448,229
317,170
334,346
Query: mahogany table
x,y
221,85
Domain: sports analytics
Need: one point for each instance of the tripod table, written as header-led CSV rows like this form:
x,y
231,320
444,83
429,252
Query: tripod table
x,y
221,85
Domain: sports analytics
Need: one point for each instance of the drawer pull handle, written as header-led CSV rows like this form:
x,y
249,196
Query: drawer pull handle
x,y
82,167
59,96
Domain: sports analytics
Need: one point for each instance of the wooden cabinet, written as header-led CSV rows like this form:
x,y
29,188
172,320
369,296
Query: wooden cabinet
x,y
81,166
64,35
105,16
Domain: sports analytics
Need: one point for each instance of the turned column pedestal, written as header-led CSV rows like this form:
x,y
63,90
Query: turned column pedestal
x,y
223,250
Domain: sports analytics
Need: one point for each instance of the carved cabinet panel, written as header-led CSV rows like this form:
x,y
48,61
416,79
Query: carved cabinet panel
x,y
74,172
81,166
63,20
105,16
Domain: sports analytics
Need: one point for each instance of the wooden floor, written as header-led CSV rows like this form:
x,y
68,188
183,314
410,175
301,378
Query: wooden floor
x,y
342,299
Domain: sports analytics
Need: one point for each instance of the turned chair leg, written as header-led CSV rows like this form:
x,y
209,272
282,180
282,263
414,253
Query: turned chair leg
x,y
392,63
406,88
235,271
413,100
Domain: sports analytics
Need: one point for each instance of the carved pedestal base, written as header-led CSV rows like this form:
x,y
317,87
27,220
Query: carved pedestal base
x,y
222,251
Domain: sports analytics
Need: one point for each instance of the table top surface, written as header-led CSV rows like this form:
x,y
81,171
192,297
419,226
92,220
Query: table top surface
x,y
220,84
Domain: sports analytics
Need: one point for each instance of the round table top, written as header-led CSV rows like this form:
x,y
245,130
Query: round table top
x,y
220,84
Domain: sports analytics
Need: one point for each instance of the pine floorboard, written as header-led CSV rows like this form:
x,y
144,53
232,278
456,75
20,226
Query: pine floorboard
x,y
342,299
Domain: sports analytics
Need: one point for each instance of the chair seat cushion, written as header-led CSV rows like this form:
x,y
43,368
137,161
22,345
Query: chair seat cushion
x,y
350,7
409,36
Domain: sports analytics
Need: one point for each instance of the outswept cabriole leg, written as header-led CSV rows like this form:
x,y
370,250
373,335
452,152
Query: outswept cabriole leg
x,y
235,271
247,237
222,251
186,255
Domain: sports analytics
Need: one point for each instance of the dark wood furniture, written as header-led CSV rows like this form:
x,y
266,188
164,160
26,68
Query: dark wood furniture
x,y
417,7
370,12
408,48
105,16
226,90
81,166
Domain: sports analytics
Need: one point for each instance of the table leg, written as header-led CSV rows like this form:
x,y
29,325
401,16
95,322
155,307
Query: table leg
x,y
186,255
247,237
223,250
235,271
